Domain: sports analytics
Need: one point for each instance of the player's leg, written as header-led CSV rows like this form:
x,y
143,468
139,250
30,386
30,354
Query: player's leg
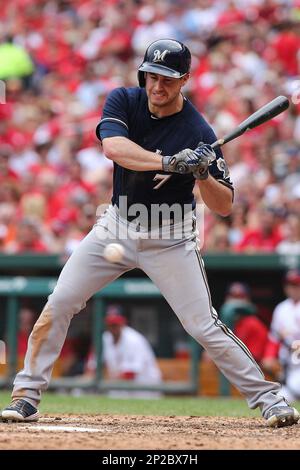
x,y
85,273
179,274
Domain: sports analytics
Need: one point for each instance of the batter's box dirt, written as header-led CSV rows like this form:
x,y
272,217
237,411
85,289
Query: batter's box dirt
x,y
146,432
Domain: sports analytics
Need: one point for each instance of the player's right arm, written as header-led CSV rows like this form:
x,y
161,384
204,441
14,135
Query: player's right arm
x,y
130,155
113,132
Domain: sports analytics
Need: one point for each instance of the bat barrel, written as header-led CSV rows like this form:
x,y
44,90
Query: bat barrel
x,y
264,114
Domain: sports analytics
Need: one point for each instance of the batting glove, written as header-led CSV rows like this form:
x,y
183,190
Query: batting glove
x,y
184,162
206,156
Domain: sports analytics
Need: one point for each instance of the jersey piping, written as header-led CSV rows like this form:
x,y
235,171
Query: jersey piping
x,y
113,119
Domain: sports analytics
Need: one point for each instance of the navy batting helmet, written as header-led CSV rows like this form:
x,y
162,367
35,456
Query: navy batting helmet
x,y
165,57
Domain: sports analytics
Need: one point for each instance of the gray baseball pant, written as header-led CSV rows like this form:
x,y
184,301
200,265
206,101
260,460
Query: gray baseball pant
x,y
177,269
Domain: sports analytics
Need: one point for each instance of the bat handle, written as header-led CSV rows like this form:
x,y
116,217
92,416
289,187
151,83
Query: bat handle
x,y
218,143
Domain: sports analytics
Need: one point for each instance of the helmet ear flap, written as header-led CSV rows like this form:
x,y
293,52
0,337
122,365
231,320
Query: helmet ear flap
x,y
141,79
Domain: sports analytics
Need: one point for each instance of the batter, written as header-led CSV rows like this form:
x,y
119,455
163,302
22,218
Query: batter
x,y
150,132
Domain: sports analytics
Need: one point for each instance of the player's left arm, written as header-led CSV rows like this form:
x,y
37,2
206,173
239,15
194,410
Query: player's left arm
x,y
216,196
213,175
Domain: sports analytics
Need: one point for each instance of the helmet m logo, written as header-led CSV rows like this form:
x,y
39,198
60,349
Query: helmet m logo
x,y
159,56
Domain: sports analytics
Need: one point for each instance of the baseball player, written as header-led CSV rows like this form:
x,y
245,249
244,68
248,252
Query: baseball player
x,y
282,352
160,145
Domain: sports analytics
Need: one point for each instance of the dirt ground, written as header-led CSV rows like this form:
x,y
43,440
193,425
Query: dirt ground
x,y
146,432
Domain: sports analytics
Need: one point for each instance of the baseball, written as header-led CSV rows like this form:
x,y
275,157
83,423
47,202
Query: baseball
x,y
114,252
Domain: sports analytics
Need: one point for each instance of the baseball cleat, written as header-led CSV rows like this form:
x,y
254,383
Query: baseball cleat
x,y
280,416
20,410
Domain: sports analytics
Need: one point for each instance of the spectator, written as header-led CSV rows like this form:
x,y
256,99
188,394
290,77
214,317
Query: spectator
x,y
7,224
290,245
239,314
281,357
127,355
27,239
6,173
285,48
15,61
264,236
60,60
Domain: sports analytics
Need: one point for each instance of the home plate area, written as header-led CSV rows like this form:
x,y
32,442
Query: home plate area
x,y
102,432
64,428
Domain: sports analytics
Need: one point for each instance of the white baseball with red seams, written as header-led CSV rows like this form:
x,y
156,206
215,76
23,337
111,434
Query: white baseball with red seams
x,y
114,252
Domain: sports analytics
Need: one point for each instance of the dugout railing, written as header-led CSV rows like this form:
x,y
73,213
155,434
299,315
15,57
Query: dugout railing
x,y
14,288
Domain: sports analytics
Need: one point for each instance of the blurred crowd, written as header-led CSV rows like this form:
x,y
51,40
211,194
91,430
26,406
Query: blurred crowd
x,y
60,58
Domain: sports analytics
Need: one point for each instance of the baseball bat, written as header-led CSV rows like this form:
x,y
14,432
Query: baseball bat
x,y
263,114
